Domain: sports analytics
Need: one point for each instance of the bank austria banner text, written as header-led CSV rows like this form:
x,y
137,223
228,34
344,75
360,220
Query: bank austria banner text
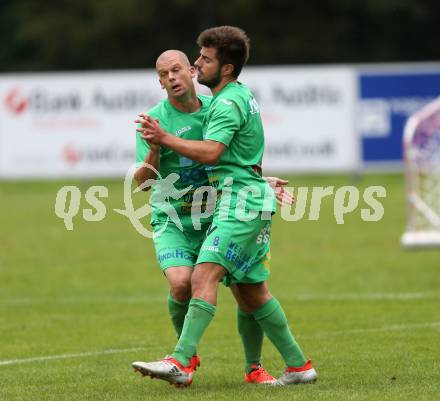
x,y
316,119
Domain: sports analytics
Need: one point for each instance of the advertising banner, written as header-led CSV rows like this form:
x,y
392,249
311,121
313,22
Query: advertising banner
x,y
72,125
388,97
81,124
308,116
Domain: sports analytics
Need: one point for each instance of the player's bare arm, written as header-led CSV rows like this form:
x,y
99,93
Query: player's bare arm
x,y
206,152
144,172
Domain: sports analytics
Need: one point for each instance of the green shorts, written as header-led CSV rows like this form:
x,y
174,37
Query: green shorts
x,y
177,248
241,247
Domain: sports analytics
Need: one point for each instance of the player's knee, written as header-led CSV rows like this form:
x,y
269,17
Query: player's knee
x,y
254,296
197,281
181,291
202,280
256,301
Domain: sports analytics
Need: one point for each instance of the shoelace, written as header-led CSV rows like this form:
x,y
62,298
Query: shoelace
x,y
261,373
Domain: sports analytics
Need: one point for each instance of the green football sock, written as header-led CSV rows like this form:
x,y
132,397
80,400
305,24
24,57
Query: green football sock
x,y
272,319
177,312
200,314
252,337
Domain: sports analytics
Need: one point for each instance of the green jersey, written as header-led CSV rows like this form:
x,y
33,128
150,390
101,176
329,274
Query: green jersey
x,y
234,119
191,173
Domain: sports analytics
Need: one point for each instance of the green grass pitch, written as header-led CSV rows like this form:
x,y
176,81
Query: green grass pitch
x,y
77,307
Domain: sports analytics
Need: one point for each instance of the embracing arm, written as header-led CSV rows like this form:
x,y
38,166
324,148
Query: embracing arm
x,y
144,172
206,151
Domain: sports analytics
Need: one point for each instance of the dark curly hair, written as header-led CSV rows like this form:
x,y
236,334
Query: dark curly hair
x,y
232,45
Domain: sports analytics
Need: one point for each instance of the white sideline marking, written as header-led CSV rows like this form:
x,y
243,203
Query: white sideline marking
x,y
322,334
132,300
393,327
68,356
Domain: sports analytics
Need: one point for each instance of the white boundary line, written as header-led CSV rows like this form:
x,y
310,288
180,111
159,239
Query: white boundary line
x,y
124,350
69,356
395,327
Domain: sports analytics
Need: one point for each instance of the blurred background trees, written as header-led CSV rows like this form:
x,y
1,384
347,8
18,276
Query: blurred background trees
x,y
112,34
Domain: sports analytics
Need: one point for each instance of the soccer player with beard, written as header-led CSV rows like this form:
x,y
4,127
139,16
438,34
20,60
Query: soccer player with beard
x,y
236,248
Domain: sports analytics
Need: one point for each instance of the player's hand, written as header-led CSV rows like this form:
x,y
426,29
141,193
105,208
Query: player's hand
x,y
150,129
283,196
141,120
